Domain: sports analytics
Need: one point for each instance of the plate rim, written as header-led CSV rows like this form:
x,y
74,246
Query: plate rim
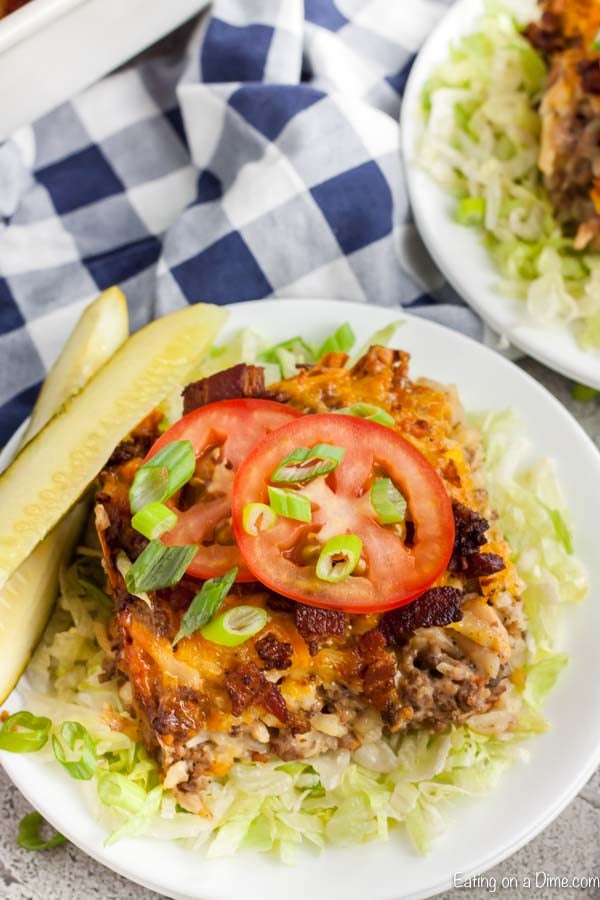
x,y
527,832
507,317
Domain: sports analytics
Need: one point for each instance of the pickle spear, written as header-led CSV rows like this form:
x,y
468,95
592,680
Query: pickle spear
x,y
53,470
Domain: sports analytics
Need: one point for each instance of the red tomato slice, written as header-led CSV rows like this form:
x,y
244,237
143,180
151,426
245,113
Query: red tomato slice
x,y
397,570
222,435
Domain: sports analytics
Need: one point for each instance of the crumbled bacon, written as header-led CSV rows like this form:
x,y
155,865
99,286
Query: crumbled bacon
x,y
589,70
247,686
232,384
380,669
546,35
438,606
315,624
244,684
470,535
274,653
478,565
137,445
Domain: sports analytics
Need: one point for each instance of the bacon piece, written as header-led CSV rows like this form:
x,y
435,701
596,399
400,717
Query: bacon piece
x,y
231,384
546,35
247,686
137,445
244,685
274,653
470,535
589,71
315,624
380,669
438,606
478,565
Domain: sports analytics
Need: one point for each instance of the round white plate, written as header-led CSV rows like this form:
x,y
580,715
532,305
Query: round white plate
x,y
459,251
480,833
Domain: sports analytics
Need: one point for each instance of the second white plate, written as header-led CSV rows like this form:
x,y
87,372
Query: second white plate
x,y
459,251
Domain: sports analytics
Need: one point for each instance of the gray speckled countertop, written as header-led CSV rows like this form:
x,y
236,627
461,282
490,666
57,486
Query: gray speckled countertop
x,y
569,847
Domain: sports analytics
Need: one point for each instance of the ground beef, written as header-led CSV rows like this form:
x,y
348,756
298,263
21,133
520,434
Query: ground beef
x,y
438,606
589,70
546,35
275,654
232,384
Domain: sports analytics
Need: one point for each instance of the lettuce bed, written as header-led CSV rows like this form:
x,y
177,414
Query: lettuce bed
x,y
481,142
340,799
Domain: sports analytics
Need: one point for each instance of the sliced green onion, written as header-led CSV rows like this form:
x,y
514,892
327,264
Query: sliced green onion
x,y
153,520
115,789
179,460
159,567
339,557
287,363
78,739
24,733
149,486
257,517
470,211
340,341
206,604
369,412
387,501
583,394
304,464
29,835
596,42
289,504
235,626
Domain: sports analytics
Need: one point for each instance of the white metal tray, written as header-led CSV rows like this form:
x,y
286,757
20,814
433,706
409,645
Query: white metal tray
x,y
51,49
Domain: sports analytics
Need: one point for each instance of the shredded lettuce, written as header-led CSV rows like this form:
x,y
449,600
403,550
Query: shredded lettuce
x,y
404,782
481,142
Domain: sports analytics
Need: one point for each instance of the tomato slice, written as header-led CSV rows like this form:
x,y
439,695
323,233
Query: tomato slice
x,y
398,563
222,435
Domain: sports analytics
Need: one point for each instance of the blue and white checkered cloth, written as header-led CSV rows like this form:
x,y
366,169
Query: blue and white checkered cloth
x,y
264,163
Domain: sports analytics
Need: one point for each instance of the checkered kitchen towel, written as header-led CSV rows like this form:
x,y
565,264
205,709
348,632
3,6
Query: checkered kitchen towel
x,y
262,161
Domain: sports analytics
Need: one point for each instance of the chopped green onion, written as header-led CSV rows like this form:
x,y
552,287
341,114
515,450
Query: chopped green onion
x,y
149,486
257,517
24,733
159,567
178,459
583,393
206,604
235,626
596,42
470,211
339,557
115,789
29,835
304,464
387,501
124,565
290,504
78,739
153,520
369,412
340,341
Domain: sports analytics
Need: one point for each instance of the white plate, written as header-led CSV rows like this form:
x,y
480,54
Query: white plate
x,y
459,251
51,49
480,833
